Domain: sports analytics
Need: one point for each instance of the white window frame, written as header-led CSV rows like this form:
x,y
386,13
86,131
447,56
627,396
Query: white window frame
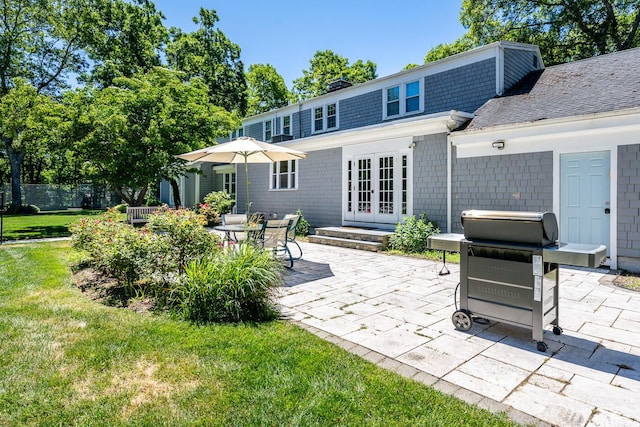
x,y
271,126
290,125
325,117
236,133
292,175
402,110
229,182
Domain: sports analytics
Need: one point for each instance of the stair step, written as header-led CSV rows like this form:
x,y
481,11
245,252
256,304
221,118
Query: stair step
x,y
377,236
347,243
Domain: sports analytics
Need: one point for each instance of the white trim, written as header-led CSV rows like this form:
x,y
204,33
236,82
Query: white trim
x,y
499,71
422,125
579,134
396,146
446,64
402,99
613,192
228,168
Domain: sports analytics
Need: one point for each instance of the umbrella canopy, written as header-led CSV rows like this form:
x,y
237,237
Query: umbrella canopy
x,y
244,150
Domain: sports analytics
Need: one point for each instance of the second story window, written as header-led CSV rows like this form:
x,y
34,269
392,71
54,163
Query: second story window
x,y
325,117
403,99
237,133
286,125
268,131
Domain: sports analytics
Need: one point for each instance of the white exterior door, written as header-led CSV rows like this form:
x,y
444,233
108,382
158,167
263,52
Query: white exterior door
x,y
376,188
585,198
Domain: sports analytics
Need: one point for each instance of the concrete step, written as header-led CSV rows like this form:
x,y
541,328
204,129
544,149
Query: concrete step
x,y
353,233
347,243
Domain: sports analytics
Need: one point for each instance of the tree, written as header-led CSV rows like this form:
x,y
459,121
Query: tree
x,y
443,50
207,53
40,42
326,67
127,38
28,121
131,132
267,89
565,30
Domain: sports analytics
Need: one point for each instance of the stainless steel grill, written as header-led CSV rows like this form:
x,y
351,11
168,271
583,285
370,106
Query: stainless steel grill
x,y
509,268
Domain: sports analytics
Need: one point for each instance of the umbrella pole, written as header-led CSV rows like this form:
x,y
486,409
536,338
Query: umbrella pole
x,y
246,184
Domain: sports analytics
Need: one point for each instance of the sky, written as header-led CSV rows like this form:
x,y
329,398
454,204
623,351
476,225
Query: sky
x,y
287,33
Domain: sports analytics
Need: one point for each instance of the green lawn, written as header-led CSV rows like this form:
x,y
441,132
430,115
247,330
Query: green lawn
x,y
42,225
67,360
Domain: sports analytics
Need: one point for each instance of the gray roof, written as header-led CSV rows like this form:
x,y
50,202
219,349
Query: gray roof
x,y
595,85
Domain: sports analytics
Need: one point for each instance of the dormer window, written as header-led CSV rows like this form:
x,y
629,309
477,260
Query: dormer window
x,y
268,130
237,133
403,99
325,117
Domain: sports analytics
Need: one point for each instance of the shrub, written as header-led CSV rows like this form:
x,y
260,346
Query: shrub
x,y
411,235
302,229
231,286
122,208
182,238
23,209
215,204
113,247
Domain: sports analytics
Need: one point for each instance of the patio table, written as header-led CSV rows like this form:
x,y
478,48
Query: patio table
x,y
230,229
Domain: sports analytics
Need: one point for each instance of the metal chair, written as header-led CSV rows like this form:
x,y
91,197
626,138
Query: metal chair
x,y
274,238
291,233
235,219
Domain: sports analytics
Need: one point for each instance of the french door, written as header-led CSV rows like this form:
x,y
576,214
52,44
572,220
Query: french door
x,y
377,188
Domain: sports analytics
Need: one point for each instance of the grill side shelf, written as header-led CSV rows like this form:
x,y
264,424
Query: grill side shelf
x,y
577,254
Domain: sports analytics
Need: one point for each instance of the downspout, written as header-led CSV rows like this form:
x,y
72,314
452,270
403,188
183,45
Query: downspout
x,y
449,177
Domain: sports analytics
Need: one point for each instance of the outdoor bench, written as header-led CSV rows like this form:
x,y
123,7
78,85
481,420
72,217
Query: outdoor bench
x,y
140,214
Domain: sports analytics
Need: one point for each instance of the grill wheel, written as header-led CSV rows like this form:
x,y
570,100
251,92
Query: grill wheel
x,y
462,320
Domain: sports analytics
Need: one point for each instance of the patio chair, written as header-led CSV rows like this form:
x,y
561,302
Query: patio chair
x,y
291,233
274,238
235,219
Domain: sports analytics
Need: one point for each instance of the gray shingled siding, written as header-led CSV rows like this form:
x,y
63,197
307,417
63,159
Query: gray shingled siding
x,y
464,89
430,178
188,198
318,195
629,207
520,182
301,124
362,110
517,64
255,130
207,184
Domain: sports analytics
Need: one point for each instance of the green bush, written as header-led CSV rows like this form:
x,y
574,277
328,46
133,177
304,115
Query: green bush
x,y
122,208
23,209
411,235
182,238
215,205
231,286
302,229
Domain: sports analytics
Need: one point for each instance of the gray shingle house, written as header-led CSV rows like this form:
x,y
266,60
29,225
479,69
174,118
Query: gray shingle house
x,y
490,128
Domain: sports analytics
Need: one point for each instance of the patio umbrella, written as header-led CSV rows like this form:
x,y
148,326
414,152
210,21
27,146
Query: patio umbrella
x,y
244,150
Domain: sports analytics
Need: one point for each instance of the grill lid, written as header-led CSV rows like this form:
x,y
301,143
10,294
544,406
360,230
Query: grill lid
x,y
530,228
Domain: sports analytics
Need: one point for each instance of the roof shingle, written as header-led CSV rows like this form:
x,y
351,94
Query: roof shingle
x,y
595,85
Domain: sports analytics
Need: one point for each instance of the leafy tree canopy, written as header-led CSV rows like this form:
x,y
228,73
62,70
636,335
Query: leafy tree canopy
x,y
126,38
565,30
327,66
129,132
267,89
207,53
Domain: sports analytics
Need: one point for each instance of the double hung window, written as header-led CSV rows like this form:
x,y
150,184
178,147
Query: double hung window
x,y
403,99
284,175
325,117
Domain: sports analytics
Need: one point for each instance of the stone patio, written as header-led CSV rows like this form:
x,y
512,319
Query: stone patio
x,y
396,312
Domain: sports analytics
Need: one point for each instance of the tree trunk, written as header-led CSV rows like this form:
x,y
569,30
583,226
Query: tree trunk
x,y
175,189
15,160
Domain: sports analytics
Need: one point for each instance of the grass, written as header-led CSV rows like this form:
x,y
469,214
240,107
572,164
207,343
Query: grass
x,y
433,255
42,225
67,360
